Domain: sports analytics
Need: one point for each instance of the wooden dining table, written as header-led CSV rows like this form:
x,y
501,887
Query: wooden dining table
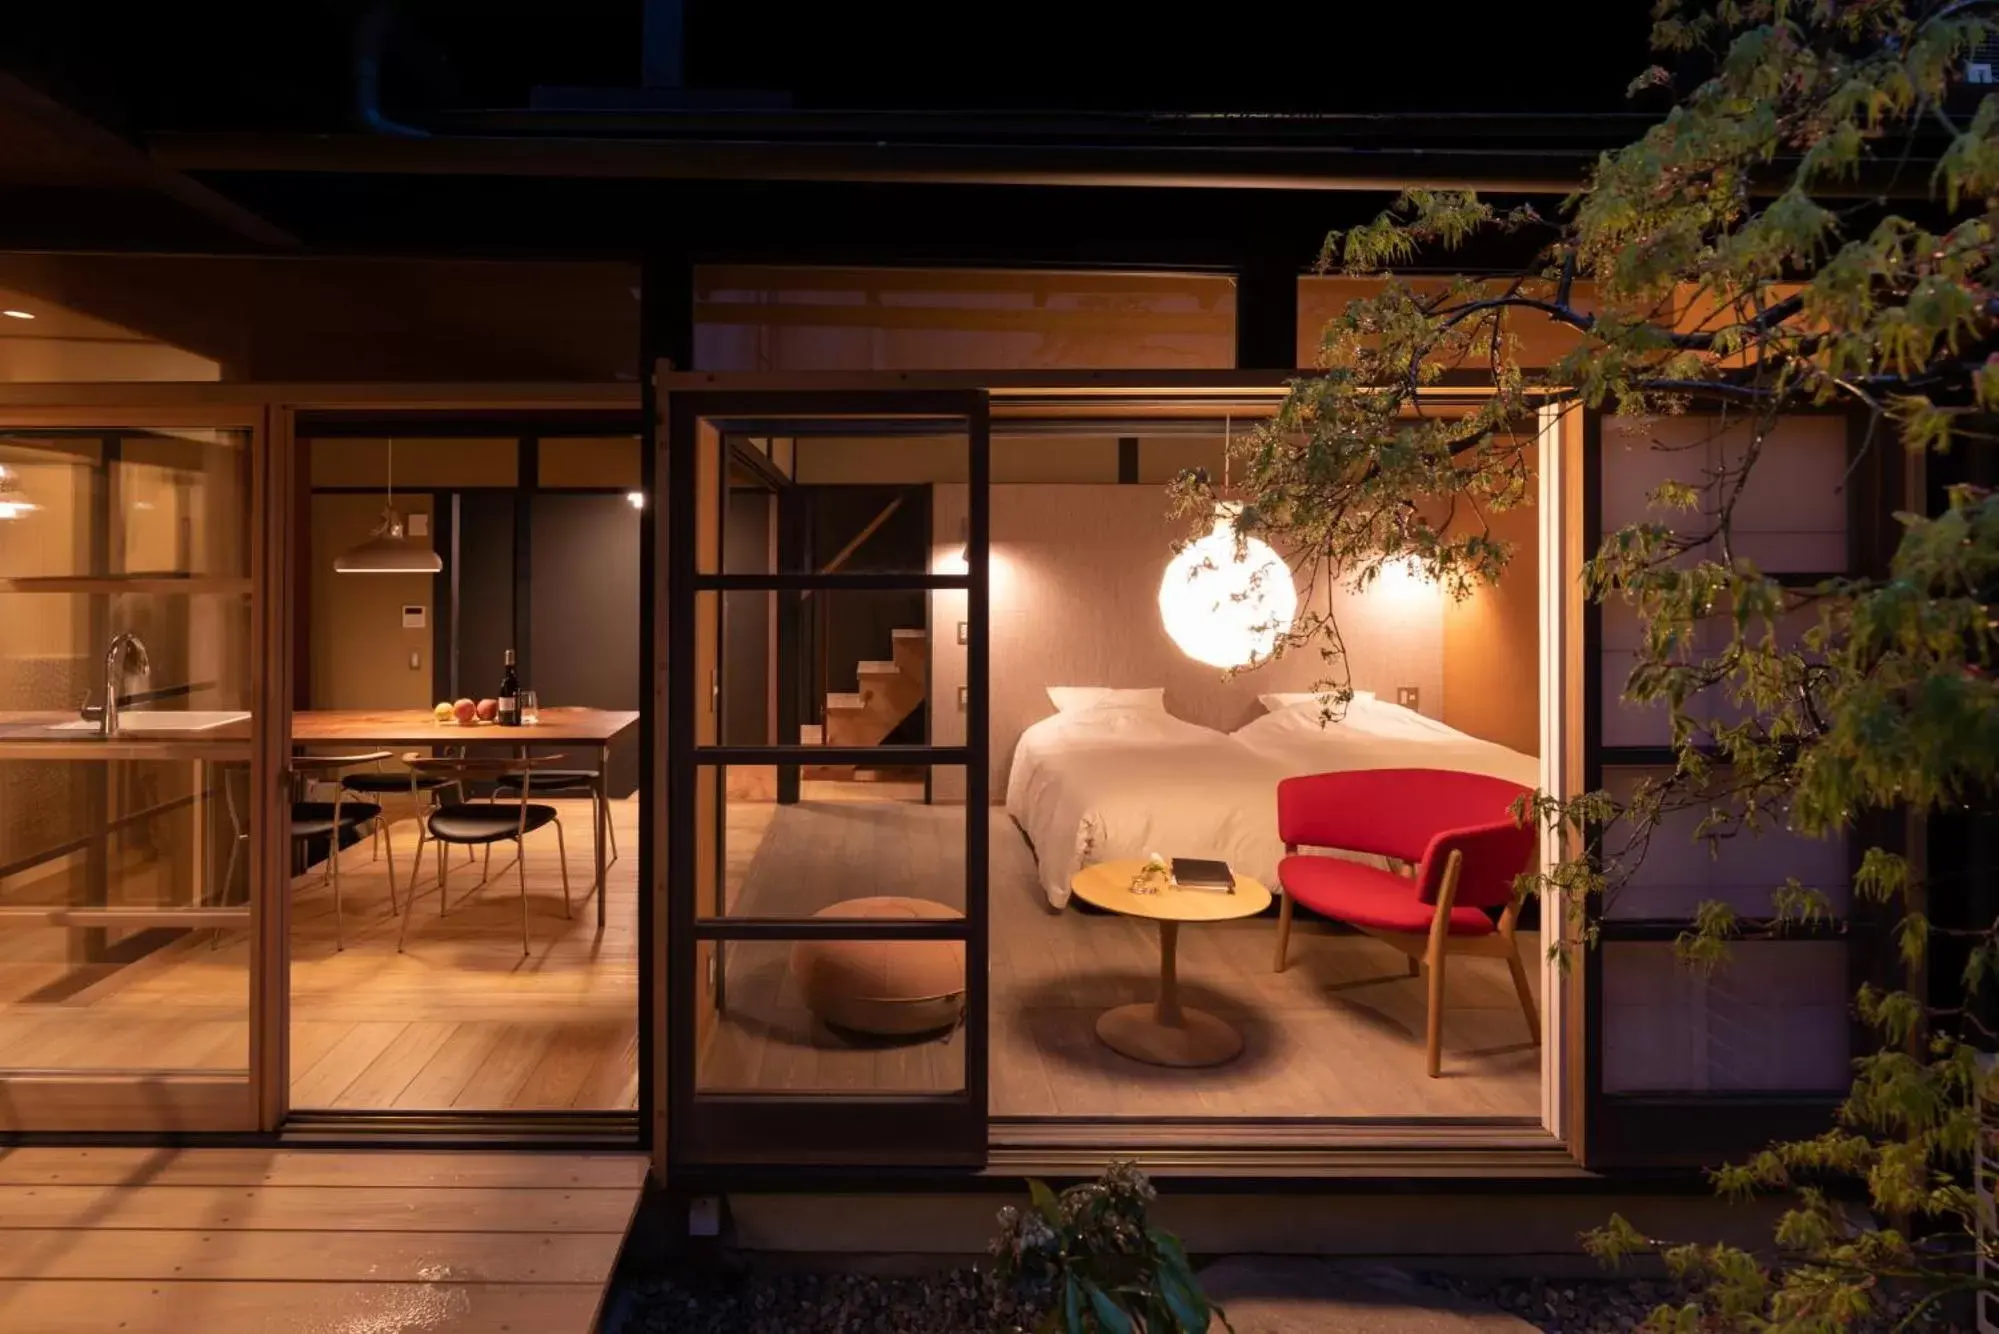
x,y
419,728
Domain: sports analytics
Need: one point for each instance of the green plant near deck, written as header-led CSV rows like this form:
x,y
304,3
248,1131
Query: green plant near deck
x,y
1090,1261
1811,225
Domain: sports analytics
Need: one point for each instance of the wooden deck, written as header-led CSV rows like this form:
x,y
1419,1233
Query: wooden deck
x,y
218,1241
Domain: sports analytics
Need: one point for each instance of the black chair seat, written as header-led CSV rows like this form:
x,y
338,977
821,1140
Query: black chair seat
x,y
391,783
486,823
549,781
314,819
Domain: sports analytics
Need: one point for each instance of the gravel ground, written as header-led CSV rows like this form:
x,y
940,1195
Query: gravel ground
x,y
957,1301
965,1301
1601,1306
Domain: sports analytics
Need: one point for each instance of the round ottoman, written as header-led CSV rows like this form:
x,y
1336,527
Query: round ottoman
x,y
893,988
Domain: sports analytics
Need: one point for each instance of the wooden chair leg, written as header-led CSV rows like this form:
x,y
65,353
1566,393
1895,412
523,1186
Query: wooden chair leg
x,y
443,878
1525,993
521,870
1283,932
562,855
1434,1030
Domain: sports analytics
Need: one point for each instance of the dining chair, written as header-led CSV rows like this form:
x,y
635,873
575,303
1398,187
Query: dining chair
x,y
471,824
568,783
330,819
1458,833
377,783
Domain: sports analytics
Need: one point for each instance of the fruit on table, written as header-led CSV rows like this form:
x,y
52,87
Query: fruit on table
x,y
489,709
444,713
465,710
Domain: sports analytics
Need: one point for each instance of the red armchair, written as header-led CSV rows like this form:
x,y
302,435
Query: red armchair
x,y
1456,829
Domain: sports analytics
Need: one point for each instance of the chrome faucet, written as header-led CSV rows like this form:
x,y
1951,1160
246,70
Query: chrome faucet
x,y
123,645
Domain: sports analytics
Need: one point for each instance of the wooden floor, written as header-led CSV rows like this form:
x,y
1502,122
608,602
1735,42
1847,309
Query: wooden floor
x,y
1339,1034
460,1019
222,1241
463,1020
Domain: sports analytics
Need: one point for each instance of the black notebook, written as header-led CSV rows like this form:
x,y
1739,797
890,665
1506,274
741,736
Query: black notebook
x,y
1200,873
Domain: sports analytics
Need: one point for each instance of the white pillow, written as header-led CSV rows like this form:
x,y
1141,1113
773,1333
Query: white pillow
x,y
1277,703
1070,699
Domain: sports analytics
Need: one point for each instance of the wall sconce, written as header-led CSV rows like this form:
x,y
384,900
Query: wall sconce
x,y
637,499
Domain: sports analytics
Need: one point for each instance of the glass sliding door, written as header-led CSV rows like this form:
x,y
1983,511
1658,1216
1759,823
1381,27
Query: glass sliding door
x,y
134,709
827,797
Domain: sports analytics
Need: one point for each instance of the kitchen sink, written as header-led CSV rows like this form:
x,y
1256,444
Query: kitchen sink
x,y
159,720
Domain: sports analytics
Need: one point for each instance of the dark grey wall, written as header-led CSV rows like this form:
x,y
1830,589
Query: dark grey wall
x,y
485,609
584,608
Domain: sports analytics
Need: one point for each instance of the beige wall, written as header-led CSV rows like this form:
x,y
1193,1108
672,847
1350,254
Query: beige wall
x,y
1075,583
360,652
1492,644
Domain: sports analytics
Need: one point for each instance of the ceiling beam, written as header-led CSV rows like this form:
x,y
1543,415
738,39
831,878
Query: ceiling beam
x,y
123,164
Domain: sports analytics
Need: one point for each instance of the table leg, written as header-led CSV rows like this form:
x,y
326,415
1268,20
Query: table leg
x,y
603,815
1166,1032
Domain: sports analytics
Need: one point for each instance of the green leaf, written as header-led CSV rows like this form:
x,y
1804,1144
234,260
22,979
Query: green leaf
x,y
1110,1316
1183,1297
1072,1305
1045,1203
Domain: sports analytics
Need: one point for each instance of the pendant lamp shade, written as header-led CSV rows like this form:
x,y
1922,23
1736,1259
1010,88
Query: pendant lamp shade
x,y
1225,609
388,549
14,501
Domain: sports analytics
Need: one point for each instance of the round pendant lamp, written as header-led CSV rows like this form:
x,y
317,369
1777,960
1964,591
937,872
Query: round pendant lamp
x,y
388,550
14,502
1224,608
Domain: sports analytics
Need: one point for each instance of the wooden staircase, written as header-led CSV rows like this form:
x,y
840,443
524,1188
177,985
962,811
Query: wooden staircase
x,y
890,690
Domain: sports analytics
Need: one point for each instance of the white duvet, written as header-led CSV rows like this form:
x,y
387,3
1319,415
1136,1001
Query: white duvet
x,y
1377,736
1106,783
1112,782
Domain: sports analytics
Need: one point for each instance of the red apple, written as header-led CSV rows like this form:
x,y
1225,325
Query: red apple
x,y
464,711
489,709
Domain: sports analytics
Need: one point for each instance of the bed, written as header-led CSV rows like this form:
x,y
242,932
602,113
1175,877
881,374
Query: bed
x,y
1124,780
1116,776
1293,739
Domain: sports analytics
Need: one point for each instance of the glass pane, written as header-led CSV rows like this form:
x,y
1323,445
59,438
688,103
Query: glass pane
x,y
881,839
166,504
1679,873
124,858
861,502
107,870
1791,516
856,667
1773,1018
851,1016
1623,637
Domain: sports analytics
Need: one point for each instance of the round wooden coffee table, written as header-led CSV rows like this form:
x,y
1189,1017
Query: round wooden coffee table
x,y
1167,1032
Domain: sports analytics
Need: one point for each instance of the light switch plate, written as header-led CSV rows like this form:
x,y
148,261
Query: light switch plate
x,y
964,632
413,618
964,696
1409,697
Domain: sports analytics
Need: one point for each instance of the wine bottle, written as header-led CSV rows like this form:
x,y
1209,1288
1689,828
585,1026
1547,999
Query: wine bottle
x,y
510,695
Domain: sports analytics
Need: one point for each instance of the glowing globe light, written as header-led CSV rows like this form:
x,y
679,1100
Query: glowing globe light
x,y
1225,609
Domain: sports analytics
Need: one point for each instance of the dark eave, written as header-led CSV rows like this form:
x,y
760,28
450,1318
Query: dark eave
x,y
1504,154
